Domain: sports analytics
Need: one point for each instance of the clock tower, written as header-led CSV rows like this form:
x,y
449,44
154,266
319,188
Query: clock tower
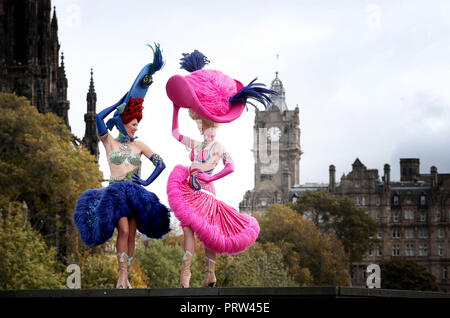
x,y
276,150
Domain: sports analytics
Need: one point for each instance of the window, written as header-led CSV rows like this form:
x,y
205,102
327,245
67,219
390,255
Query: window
x,y
396,232
441,232
380,251
358,201
423,233
444,272
409,214
396,200
396,217
363,201
378,214
409,233
378,201
423,200
423,249
423,216
380,233
441,249
371,250
409,250
396,250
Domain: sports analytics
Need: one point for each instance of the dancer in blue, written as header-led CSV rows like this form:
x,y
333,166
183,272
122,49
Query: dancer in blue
x,y
125,203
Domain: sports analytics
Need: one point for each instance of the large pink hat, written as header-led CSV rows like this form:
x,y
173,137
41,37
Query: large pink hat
x,y
210,93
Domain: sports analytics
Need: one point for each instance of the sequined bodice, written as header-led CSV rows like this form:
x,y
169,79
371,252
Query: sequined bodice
x,y
124,164
118,158
203,155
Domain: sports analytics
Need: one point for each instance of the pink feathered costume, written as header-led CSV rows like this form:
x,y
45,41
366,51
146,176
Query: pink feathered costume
x,y
220,227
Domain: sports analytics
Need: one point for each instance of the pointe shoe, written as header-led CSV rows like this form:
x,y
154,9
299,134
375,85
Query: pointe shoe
x,y
185,274
123,270
210,279
130,258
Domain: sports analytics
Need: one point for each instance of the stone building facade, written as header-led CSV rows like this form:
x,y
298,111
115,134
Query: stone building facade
x,y
413,215
30,62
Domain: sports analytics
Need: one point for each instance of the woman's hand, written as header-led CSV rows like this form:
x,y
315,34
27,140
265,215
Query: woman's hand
x,y
203,176
138,180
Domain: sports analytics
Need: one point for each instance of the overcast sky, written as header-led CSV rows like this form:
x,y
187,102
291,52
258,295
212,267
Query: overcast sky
x,y
371,78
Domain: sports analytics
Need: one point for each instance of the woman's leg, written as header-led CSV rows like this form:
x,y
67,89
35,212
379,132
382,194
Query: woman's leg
x,y
210,278
189,240
131,243
122,251
189,247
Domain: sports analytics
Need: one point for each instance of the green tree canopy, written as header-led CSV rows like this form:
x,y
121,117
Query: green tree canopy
x,y
26,262
101,271
403,273
340,216
41,164
262,264
311,258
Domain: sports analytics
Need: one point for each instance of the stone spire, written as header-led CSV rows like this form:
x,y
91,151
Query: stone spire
x,y
90,140
62,105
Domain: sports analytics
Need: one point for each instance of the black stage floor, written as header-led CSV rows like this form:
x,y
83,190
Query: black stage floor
x,y
220,301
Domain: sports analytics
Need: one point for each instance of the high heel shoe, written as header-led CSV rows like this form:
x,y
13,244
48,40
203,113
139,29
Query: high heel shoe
x,y
185,274
123,270
210,279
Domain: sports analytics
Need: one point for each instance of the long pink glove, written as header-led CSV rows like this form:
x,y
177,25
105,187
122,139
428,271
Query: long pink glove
x,y
229,168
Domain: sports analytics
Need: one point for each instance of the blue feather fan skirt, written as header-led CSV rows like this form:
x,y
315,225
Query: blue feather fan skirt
x,y
98,210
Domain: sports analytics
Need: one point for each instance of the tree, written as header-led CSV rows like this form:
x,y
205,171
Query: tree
x,y
339,216
260,265
311,258
26,262
41,165
101,271
402,273
162,259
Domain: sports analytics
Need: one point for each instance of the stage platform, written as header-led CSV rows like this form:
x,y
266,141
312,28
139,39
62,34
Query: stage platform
x,y
226,300
224,292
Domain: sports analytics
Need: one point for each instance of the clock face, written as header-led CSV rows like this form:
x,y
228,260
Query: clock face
x,y
274,133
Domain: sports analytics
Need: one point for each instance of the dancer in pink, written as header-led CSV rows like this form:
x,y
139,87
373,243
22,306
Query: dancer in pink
x,y
212,98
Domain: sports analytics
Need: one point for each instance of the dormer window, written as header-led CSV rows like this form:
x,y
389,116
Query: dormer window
x,y
396,200
423,199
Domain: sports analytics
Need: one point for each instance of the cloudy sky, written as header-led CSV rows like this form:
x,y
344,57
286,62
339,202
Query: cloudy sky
x,y
371,78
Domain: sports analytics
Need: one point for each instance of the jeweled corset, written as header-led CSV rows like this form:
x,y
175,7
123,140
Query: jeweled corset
x,y
118,158
125,157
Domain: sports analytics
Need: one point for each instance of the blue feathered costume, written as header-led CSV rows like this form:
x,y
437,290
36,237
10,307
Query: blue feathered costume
x,y
98,210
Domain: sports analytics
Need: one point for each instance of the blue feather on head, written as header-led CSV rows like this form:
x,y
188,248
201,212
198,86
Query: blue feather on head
x,y
194,61
256,91
158,62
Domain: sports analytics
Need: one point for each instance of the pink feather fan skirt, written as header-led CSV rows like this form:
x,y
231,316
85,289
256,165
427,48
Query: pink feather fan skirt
x,y
220,227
